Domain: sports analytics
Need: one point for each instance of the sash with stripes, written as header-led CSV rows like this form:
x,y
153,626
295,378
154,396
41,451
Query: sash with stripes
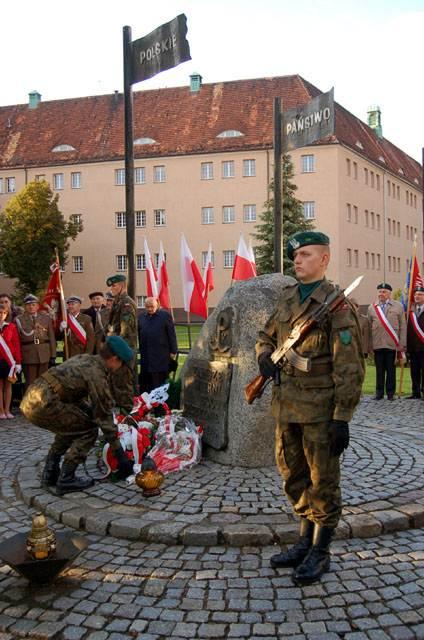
x,y
6,352
414,321
78,331
386,324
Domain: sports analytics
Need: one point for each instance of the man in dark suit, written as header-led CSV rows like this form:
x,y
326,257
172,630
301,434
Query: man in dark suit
x,y
158,345
415,344
97,304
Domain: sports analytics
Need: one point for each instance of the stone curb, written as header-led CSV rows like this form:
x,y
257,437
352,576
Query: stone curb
x,y
99,517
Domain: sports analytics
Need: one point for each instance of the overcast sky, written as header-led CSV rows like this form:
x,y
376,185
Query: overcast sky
x,y
369,50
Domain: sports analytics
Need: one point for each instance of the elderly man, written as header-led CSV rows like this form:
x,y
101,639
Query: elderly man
x,y
97,304
387,324
102,321
415,344
313,408
79,329
74,400
38,342
158,345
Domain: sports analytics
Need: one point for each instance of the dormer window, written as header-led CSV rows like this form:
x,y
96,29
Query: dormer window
x,y
416,181
401,171
381,159
230,133
145,141
359,144
63,147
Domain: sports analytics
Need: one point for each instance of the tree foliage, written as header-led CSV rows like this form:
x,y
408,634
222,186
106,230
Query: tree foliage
x,y
31,226
293,221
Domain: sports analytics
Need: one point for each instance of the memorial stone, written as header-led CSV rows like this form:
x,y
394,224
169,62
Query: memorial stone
x,y
221,364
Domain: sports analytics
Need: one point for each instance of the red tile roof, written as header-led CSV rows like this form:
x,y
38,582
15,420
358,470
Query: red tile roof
x,y
180,121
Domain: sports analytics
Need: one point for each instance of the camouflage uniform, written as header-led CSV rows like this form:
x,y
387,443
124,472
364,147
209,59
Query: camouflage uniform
x,y
123,322
73,400
304,403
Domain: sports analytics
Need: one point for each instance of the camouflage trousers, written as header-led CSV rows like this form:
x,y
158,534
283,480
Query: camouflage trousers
x,y
75,433
123,386
311,474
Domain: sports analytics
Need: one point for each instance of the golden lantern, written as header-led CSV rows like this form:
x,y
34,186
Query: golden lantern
x,y
41,542
149,478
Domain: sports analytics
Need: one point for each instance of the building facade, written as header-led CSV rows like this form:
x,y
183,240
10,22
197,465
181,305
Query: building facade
x,y
203,164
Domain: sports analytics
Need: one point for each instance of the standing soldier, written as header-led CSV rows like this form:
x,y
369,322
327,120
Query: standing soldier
x,y
37,338
123,322
415,344
79,329
74,400
313,408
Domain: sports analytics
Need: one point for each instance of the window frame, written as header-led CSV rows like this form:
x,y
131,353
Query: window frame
x,y
249,218
77,264
309,205
231,210
249,168
76,180
211,217
307,163
159,218
228,253
121,259
206,171
228,169
58,181
159,173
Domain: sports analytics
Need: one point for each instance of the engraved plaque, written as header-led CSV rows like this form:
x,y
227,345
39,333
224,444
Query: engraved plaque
x,y
206,397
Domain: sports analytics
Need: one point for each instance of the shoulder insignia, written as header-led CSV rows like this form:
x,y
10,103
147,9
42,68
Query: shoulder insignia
x,y
345,337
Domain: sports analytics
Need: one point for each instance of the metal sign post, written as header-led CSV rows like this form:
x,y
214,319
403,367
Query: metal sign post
x,y
278,213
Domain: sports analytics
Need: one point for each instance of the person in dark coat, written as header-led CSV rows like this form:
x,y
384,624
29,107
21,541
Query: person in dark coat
x,y
97,304
158,345
415,344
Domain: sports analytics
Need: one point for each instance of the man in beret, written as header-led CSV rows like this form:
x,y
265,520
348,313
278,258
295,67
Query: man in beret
x,y
38,341
74,400
79,328
387,329
415,344
312,408
123,322
97,303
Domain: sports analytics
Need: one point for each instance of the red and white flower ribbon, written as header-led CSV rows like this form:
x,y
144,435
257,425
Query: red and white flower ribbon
x,y
386,324
416,326
6,352
78,330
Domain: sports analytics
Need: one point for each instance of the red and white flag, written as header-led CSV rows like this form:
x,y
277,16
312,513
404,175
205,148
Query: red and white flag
x,y
208,274
151,275
252,257
51,301
163,280
193,285
243,268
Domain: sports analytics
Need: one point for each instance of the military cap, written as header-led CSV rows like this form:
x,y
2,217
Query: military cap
x,y
303,239
95,293
74,299
120,348
420,289
109,295
384,285
118,277
30,298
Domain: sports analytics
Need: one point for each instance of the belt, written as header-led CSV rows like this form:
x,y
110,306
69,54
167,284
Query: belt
x,y
318,369
54,384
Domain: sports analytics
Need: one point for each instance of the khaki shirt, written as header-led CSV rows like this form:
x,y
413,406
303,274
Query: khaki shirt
x,y
36,333
380,339
123,319
332,388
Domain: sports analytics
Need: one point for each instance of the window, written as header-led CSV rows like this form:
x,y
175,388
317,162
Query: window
x,y
373,261
367,259
120,219
356,258
63,147
145,140
355,214
398,232
121,263
347,166
141,301
366,175
140,262
355,170
58,181
309,210
159,173
228,169
372,179
228,215
249,168
205,257
230,133
76,218
389,260
140,175
229,256
398,265
207,215
76,180
388,187
378,261
120,177
77,264
393,189
407,233
1,185
348,257
377,178
367,218
372,220
40,177
378,221
389,226
348,212
159,217
206,171
140,218
308,164
249,212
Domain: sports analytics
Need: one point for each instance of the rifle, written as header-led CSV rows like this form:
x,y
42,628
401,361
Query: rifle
x,y
286,352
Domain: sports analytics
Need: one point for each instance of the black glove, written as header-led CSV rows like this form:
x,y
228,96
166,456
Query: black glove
x,y
52,362
338,436
266,366
125,466
173,365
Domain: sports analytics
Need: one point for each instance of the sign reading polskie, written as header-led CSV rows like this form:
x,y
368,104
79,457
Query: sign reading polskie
x,y
164,48
311,122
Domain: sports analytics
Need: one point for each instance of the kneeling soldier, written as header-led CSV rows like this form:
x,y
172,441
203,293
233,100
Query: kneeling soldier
x,y
73,400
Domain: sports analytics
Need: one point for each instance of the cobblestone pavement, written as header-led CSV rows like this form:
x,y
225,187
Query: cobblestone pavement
x,y
119,589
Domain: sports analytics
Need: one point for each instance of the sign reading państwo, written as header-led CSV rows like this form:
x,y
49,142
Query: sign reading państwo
x,y
311,122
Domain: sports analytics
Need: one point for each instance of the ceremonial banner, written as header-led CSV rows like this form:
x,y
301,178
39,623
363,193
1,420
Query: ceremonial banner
x,y
193,285
51,301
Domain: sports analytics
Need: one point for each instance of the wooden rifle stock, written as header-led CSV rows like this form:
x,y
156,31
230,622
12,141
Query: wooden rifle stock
x,y
255,388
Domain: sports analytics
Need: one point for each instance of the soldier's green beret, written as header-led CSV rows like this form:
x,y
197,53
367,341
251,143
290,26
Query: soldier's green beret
x,y
29,299
384,285
303,239
74,299
120,348
118,277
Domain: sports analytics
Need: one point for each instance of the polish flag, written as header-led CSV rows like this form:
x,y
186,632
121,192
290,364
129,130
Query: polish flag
x,y
243,268
252,257
151,275
193,286
163,280
208,274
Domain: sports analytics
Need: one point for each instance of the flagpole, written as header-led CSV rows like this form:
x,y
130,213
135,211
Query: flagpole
x,y
62,307
408,306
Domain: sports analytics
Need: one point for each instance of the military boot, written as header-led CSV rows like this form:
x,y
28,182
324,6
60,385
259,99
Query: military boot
x,y
51,470
317,561
68,482
295,555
